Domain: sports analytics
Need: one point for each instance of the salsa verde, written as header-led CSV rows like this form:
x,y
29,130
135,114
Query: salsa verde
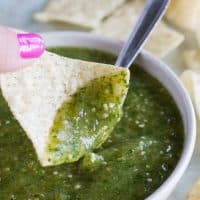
x,y
136,159
85,121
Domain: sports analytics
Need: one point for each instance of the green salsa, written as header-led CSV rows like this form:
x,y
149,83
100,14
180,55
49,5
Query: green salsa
x,y
84,122
135,160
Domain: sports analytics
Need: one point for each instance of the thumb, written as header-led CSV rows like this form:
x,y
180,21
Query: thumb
x,y
18,49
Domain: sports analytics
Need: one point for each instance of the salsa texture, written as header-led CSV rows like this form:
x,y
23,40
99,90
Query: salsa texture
x,y
136,159
84,122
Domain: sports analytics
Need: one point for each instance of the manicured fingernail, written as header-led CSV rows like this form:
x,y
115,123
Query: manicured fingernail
x,y
31,45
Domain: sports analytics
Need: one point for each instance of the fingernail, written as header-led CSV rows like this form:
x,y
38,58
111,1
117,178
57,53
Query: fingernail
x,y
31,45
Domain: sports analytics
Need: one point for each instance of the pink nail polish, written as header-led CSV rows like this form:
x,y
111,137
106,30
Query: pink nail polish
x,y
31,45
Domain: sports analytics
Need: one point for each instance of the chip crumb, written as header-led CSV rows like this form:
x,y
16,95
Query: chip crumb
x,y
69,176
7,169
149,179
7,122
147,166
93,109
55,173
77,186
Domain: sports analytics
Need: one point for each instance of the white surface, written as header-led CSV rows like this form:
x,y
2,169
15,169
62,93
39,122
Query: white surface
x,y
18,13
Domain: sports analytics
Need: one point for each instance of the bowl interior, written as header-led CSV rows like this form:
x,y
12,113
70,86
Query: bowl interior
x,y
158,70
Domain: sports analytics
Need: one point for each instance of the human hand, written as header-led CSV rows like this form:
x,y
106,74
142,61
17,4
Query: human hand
x,y
18,49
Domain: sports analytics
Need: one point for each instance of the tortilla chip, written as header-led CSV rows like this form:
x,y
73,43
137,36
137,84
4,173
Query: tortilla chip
x,y
120,24
164,40
195,193
84,13
191,80
185,14
192,59
34,94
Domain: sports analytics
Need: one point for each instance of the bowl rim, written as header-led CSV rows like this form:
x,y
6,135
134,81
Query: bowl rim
x,y
91,40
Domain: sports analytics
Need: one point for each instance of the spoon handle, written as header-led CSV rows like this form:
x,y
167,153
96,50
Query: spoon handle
x,y
151,15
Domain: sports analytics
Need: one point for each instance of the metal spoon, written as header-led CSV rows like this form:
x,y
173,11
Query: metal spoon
x,y
151,15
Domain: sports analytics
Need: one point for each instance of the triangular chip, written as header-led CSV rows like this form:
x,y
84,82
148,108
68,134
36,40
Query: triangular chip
x,y
184,13
191,80
83,13
195,193
67,107
192,59
120,24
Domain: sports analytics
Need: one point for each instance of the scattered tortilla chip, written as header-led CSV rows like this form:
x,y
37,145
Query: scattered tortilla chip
x,y
191,80
164,40
36,93
84,13
195,193
192,59
120,24
185,14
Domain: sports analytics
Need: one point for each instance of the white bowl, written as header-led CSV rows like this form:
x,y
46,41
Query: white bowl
x,y
160,71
